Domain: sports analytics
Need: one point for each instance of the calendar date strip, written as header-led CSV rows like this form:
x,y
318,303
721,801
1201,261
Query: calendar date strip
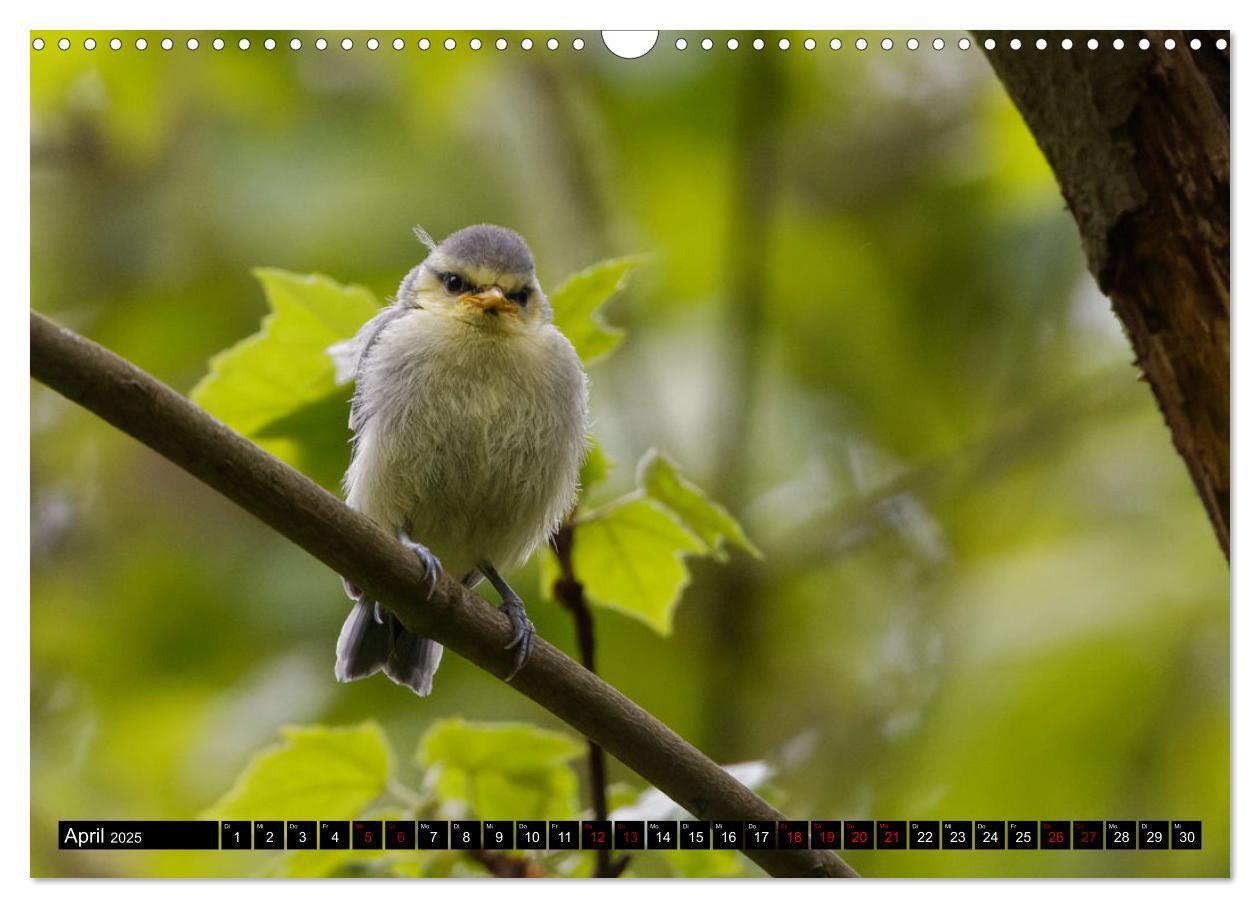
x,y
630,835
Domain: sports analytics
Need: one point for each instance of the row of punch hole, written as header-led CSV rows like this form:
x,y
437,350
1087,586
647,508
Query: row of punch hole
x,y
579,44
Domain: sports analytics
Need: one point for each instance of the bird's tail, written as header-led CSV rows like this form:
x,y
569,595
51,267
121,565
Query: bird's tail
x,y
373,640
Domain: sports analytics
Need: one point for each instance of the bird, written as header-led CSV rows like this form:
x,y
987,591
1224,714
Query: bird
x,y
469,429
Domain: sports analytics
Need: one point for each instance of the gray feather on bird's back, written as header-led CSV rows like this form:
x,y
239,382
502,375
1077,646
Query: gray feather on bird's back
x,y
350,356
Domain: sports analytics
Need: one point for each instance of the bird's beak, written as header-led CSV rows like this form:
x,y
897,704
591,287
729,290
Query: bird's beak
x,y
491,301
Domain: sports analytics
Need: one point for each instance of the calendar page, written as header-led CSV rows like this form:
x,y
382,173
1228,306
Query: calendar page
x,y
665,454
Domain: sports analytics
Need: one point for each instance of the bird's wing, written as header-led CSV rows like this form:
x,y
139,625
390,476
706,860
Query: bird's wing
x,y
360,348
347,355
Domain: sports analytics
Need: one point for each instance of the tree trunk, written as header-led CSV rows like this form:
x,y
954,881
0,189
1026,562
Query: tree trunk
x,y
1139,142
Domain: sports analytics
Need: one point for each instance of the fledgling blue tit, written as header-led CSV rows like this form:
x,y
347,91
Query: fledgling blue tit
x,y
469,422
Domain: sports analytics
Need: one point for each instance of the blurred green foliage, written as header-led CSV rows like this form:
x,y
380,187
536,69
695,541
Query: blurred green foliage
x,y
988,589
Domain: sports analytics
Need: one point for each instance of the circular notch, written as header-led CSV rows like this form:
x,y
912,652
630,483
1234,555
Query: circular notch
x,y
629,45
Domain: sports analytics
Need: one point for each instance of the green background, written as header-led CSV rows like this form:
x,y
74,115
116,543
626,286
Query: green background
x,y
988,590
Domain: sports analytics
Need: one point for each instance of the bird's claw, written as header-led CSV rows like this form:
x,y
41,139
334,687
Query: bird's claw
x,y
522,641
432,567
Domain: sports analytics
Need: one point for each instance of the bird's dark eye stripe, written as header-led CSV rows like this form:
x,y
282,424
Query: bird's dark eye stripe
x,y
520,297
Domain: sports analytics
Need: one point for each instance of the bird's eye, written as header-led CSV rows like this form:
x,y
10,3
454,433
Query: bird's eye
x,y
520,297
452,282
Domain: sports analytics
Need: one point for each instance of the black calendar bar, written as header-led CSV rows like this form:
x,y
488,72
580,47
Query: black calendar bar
x,y
573,835
137,835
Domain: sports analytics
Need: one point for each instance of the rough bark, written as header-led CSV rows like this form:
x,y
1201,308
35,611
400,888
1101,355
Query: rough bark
x,y
1139,142
358,549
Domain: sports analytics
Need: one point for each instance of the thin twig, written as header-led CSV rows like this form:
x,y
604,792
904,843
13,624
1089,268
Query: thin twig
x,y
363,552
569,593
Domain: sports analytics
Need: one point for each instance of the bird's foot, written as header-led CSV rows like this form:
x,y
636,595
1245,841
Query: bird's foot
x,y
522,642
432,567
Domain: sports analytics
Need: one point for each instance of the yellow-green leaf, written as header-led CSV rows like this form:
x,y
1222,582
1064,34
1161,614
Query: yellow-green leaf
x,y
576,304
504,770
629,557
661,479
285,366
316,773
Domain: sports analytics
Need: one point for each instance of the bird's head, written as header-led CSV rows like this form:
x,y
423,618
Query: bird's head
x,y
483,275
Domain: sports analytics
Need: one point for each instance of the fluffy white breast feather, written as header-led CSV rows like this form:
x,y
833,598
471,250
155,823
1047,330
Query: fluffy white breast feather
x,y
474,437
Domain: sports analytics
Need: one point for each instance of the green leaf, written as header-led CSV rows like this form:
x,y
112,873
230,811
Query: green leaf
x,y
503,770
319,436
629,556
316,773
285,366
661,479
576,304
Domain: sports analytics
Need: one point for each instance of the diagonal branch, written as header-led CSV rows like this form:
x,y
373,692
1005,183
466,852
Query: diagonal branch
x,y
358,549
